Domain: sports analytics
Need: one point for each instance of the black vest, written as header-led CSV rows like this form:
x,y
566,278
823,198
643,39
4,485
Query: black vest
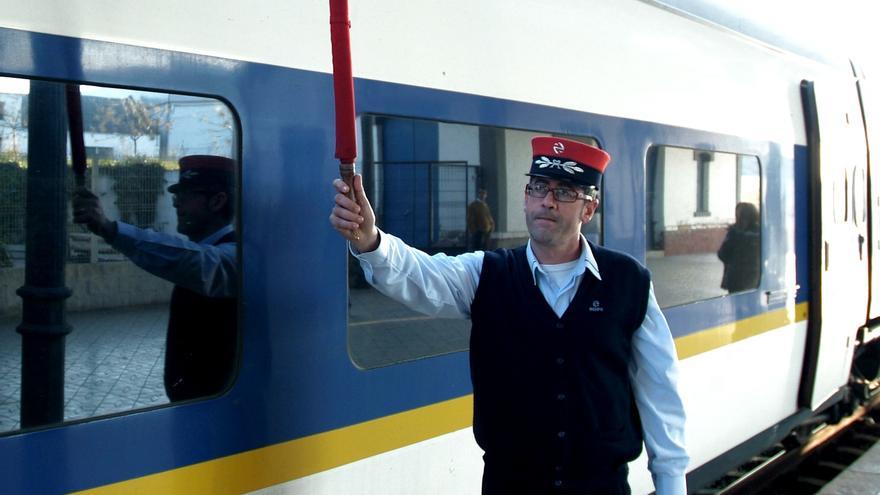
x,y
552,396
201,342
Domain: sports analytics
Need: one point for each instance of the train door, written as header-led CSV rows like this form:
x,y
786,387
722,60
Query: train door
x,y
839,285
870,115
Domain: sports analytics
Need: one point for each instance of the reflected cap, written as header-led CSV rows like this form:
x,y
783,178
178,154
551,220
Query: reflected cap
x,y
564,159
205,172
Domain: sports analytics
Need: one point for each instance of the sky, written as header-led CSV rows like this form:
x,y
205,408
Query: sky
x,y
22,86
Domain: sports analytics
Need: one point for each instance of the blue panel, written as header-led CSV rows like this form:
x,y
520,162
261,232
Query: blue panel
x,y
408,148
802,221
398,194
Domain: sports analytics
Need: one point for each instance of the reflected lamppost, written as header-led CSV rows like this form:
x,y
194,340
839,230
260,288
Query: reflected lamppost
x,y
43,326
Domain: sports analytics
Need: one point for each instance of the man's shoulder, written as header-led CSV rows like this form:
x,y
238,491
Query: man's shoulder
x,y
615,259
505,256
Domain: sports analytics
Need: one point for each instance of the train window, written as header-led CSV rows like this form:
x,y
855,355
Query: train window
x,y
423,178
105,316
702,250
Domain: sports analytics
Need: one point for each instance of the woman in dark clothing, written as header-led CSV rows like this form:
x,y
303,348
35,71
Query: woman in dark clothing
x,y
741,250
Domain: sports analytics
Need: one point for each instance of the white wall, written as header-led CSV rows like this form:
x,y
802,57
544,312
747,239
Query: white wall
x,y
680,189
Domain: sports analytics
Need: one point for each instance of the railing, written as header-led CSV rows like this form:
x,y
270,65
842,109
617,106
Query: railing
x,y
424,202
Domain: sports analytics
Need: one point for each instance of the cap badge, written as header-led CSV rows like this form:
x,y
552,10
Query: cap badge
x,y
569,166
558,147
189,174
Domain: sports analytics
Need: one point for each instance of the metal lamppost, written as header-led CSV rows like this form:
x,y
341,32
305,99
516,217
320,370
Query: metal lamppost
x,y
43,326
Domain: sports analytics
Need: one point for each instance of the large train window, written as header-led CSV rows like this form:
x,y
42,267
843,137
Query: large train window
x,y
113,314
703,223
441,187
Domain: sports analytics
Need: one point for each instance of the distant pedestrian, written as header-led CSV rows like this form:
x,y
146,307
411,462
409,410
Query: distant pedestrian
x,y
741,250
480,223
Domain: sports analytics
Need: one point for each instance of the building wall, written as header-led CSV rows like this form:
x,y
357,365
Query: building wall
x,y
93,286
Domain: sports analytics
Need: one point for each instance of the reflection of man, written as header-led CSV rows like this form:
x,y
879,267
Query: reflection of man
x,y
480,222
572,362
203,322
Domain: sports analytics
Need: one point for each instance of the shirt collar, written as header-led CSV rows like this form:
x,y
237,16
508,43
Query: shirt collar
x,y
586,261
211,239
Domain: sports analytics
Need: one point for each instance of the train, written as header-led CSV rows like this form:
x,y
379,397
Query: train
x,y
338,390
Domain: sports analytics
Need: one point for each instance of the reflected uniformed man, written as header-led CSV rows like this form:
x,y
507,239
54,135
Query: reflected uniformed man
x,y
572,361
203,324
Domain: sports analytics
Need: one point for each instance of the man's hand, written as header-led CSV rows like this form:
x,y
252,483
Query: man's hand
x,y
355,220
87,210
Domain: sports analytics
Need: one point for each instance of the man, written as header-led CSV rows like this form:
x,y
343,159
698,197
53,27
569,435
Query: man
x,y
480,223
203,323
572,362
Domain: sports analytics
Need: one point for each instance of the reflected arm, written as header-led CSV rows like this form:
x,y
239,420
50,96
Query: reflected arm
x,y
207,269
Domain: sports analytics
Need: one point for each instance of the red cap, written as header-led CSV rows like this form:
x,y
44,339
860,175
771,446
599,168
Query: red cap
x,y
564,159
205,171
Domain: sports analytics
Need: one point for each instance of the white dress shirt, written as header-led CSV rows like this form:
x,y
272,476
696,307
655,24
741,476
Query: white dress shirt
x,y
444,286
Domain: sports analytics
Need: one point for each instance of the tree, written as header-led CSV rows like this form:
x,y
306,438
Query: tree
x,y
13,123
132,117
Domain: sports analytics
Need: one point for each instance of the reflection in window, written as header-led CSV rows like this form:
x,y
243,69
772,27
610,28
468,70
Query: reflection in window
x,y
117,312
703,223
423,177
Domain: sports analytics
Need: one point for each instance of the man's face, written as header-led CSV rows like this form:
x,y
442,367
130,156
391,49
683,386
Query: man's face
x,y
194,214
553,223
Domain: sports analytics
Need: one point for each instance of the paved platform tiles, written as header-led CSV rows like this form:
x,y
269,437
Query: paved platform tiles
x,y
113,362
860,478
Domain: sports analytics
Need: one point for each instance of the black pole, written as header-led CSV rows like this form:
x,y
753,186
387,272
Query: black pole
x,y
43,324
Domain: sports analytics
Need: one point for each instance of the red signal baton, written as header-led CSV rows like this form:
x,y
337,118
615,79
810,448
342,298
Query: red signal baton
x,y
75,126
343,89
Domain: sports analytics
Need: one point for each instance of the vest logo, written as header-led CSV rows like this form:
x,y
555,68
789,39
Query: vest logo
x,y
596,307
558,147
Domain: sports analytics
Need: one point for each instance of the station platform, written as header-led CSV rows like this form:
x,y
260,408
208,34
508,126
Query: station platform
x,y
113,362
860,478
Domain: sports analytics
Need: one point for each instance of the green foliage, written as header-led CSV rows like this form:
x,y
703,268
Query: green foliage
x,y
13,189
137,184
5,261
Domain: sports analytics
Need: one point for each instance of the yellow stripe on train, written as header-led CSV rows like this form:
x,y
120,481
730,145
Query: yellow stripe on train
x,y
282,462
267,466
722,335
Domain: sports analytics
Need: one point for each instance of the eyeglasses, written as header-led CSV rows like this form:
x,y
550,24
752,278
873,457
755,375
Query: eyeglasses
x,y
185,194
561,194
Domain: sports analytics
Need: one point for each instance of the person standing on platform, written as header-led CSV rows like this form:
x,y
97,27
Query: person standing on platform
x,y
202,333
480,223
572,361
741,250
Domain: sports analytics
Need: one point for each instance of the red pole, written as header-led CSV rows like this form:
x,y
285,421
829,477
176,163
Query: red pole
x,y
75,126
343,90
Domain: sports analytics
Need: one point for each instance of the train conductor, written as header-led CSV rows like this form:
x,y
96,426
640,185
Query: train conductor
x,y
572,362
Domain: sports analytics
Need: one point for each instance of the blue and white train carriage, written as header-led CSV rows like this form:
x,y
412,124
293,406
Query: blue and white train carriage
x,y
337,390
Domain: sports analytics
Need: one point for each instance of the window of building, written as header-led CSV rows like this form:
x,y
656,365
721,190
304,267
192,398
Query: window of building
x,y
423,178
117,312
702,245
